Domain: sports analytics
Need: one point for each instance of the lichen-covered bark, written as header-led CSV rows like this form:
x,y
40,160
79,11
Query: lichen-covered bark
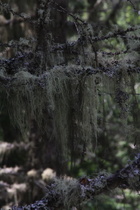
x,y
65,193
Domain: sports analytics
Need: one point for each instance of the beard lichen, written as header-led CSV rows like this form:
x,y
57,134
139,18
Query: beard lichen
x,y
69,98
69,189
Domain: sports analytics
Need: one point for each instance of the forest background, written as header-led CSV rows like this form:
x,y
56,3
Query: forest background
x,y
31,158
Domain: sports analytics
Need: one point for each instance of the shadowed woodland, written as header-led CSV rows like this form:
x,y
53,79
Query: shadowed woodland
x,y
69,104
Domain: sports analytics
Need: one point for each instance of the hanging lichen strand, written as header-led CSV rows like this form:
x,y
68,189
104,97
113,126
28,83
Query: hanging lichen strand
x,y
71,100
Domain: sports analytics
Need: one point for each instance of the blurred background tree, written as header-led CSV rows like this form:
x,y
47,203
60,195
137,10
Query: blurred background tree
x,y
24,159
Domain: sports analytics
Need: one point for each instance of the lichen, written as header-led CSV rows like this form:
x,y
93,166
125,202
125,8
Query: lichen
x,y
70,98
69,189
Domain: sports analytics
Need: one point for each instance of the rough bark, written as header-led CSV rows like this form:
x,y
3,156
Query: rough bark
x,y
86,189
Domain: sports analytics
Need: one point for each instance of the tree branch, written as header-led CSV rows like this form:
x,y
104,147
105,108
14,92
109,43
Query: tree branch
x,y
64,194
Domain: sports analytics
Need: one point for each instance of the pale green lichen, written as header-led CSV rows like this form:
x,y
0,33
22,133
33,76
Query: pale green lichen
x,y
70,98
69,191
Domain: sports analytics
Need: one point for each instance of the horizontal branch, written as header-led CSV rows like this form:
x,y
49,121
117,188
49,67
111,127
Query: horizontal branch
x,y
7,8
94,39
11,81
64,194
